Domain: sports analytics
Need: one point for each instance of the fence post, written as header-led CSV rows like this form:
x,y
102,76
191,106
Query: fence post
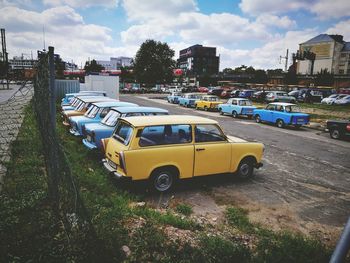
x,y
343,246
52,87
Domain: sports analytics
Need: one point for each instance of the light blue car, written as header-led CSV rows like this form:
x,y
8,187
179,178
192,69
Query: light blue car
x,y
96,112
95,132
237,107
174,97
189,99
70,96
282,114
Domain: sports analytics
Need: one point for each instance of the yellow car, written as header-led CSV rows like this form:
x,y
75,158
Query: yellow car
x,y
208,102
163,149
81,107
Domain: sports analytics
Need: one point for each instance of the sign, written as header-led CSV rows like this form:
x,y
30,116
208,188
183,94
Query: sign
x,y
321,50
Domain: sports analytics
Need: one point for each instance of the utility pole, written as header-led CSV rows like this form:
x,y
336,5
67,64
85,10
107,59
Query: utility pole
x,y
4,55
286,60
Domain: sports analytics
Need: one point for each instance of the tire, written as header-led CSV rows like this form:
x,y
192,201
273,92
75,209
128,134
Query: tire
x,y
205,108
335,133
221,113
245,169
234,114
280,123
196,107
257,118
162,180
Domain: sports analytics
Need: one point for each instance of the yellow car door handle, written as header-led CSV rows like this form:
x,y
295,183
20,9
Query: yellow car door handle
x,y
200,149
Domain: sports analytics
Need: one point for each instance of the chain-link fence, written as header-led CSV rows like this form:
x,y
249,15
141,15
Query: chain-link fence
x,y
11,117
63,192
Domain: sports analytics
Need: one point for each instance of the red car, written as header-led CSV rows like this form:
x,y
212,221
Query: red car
x,y
203,89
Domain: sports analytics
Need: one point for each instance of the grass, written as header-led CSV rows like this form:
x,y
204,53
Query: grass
x,y
341,108
278,246
31,233
184,209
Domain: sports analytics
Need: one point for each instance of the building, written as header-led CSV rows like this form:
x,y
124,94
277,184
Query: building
x,y
21,63
332,53
198,61
115,63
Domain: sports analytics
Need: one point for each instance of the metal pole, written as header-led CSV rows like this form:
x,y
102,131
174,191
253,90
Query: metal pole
x,y
343,245
52,87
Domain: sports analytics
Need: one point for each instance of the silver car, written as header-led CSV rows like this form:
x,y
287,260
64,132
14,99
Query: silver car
x,y
279,96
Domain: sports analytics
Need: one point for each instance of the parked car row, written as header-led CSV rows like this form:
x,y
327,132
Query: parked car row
x,y
337,99
143,143
280,113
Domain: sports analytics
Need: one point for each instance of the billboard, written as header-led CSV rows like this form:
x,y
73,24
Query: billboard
x,y
321,50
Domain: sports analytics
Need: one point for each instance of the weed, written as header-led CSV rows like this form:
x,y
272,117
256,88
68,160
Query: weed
x,y
184,209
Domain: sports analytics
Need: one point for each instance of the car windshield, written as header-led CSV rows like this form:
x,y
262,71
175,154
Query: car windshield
x,y
292,108
81,106
213,99
281,94
334,96
111,118
78,105
245,103
91,113
123,132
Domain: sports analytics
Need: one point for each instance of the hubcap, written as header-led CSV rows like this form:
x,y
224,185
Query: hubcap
x,y
280,124
244,169
163,182
335,134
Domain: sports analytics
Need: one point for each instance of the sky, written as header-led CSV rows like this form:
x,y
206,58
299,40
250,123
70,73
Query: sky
x,y
246,32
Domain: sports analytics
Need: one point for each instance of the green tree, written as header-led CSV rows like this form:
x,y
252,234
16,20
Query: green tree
x,y
260,76
92,66
127,74
324,78
154,63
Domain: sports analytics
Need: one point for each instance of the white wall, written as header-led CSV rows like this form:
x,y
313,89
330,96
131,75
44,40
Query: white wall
x,y
110,84
322,64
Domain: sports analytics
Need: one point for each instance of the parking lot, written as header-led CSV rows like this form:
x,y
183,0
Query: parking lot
x,y
303,185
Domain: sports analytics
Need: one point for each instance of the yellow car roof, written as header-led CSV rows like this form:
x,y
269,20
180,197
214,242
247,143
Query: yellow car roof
x,y
167,120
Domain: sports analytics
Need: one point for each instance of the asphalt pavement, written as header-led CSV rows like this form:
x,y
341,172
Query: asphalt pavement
x,y
305,171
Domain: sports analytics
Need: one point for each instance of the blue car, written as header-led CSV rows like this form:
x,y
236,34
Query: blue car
x,y
174,97
96,112
237,107
189,99
247,94
282,114
70,96
95,132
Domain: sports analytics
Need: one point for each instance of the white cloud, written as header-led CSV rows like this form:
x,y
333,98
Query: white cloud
x,y
341,28
64,29
157,9
267,56
82,3
195,27
4,3
275,21
256,7
324,9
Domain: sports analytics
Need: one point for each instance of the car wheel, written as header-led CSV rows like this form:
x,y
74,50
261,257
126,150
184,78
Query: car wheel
x,y
205,108
335,134
162,180
257,118
280,123
221,113
196,107
245,169
234,114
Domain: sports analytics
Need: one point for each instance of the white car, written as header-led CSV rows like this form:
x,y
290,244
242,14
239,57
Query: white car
x,y
332,98
343,101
